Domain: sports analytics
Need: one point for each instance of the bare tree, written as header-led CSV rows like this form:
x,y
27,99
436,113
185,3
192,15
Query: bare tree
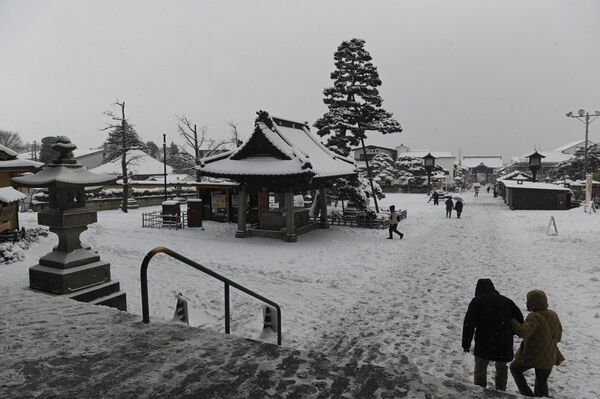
x,y
122,126
198,139
11,140
234,136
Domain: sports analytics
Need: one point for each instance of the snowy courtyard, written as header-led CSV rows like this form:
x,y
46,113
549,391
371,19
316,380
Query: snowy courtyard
x,y
354,293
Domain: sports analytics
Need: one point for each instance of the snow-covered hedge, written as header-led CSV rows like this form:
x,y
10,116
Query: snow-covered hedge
x,y
11,252
118,193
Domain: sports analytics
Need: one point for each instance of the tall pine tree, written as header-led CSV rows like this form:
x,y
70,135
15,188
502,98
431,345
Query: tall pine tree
x,y
47,154
354,103
114,142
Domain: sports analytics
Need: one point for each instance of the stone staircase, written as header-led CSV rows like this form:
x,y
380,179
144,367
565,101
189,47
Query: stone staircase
x,y
64,348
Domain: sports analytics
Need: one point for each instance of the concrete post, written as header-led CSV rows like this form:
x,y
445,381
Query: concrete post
x,y
323,224
242,205
290,229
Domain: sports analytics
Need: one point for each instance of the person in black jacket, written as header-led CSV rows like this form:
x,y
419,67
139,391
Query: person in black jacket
x,y
449,207
489,318
459,208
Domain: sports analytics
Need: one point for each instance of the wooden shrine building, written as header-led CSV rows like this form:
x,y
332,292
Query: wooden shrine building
x,y
285,158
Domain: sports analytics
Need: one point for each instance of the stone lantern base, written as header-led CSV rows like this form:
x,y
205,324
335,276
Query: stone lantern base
x,y
71,269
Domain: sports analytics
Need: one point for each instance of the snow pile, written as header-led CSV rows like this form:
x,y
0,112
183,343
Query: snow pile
x,y
11,252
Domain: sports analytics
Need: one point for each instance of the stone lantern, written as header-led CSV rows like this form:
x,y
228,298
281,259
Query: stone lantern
x,y
429,164
535,163
72,268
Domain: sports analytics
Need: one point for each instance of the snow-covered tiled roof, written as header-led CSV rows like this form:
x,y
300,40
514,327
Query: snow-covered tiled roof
x,y
301,153
142,164
513,175
9,194
20,163
490,161
422,153
8,151
532,185
568,146
81,153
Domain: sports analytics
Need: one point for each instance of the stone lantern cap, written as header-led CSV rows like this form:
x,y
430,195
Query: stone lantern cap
x,y
65,170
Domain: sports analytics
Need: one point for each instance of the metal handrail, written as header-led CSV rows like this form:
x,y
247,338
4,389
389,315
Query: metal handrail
x,y
197,266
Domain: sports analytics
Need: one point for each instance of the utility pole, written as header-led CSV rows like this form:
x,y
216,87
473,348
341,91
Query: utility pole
x,y
165,163
584,117
124,158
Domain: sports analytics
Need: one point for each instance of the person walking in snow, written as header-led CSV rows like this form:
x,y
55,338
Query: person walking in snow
x,y
449,207
489,318
394,219
436,198
541,331
458,207
488,189
476,191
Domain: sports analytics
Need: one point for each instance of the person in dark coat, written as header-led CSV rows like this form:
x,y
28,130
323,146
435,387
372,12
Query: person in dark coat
x,y
394,220
449,207
458,207
436,198
489,319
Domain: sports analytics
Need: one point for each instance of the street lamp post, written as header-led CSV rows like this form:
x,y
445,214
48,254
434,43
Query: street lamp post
x,y
584,117
429,164
535,163
165,164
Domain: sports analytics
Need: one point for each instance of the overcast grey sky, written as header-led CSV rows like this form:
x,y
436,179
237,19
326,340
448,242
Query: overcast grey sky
x,y
486,77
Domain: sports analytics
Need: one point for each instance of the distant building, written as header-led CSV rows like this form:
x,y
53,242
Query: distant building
x,y
372,150
482,168
445,159
141,166
91,158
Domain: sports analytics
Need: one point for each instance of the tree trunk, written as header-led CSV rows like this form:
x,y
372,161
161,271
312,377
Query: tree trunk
x,y
124,159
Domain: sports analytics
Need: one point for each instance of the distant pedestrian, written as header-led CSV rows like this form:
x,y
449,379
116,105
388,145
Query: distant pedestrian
x,y
436,198
541,331
495,192
394,220
458,207
488,189
476,191
449,207
488,318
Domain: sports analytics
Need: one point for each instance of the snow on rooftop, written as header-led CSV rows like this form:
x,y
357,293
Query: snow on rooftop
x,y
142,164
8,151
81,152
305,152
9,194
533,185
422,153
20,163
491,161
577,143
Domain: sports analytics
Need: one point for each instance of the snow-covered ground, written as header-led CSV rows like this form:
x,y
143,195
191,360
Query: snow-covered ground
x,y
352,292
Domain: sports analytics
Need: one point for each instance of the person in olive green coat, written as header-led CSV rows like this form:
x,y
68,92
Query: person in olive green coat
x,y
541,331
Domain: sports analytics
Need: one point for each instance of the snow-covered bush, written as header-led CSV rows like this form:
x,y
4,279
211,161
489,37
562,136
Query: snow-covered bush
x,y
11,252
118,193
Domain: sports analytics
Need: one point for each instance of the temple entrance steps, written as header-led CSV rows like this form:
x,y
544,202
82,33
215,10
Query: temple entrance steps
x,y
227,284
64,348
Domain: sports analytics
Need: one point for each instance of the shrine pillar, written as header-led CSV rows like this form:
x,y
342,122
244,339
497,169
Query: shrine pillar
x,y
290,229
242,207
323,224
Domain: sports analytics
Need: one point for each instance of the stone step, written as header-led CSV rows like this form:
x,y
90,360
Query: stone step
x,y
96,291
117,300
